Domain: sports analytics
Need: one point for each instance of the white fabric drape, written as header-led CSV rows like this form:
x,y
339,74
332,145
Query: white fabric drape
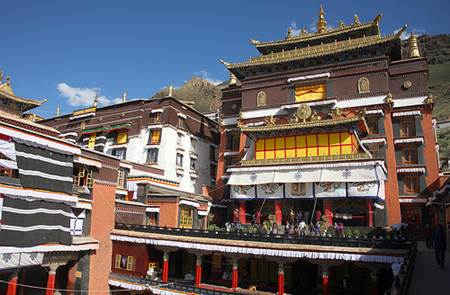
x,y
269,191
7,149
290,195
242,192
261,251
332,174
331,190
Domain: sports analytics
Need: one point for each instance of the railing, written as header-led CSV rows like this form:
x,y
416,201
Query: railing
x,y
147,284
378,242
403,279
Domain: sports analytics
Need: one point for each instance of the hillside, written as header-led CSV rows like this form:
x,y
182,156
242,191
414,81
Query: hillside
x,y
204,95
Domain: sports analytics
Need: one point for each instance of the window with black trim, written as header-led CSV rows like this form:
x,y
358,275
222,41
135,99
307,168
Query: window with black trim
x,y
119,153
407,127
152,156
409,155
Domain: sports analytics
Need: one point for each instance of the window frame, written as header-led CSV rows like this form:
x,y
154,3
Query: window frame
x,y
373,120
186,217
155,117
124,149
179,163
409,132
407,181
119,132
156,156
151,136
411,157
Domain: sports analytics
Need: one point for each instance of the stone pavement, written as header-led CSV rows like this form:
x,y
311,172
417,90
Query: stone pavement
x,y
428,278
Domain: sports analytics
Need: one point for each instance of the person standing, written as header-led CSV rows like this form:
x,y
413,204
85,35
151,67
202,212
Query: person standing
x,y
440,245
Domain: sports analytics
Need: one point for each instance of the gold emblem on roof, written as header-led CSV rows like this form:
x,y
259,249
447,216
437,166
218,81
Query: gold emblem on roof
x,y
303,112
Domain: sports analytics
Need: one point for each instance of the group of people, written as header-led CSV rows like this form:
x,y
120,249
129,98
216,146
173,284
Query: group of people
x,y
436,239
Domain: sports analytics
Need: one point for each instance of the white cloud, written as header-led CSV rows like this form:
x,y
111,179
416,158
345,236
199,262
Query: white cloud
x,y
77,96
207,76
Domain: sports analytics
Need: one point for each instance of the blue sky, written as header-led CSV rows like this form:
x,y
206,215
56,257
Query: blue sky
x,y
66,51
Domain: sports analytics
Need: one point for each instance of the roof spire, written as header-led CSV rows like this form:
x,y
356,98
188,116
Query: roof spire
x,y
413,46
95,101
58,111
170,91
289,33
321,23
233,79
356,20
124,95
1,76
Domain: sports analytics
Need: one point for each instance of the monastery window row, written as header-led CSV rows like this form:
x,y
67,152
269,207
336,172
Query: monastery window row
x,y
312,145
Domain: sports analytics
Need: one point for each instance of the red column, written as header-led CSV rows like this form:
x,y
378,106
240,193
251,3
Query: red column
x,y
278,212
325,280
280,278
51,281
370,212
198,270
12,284
234,274
242,213
327,207
165,272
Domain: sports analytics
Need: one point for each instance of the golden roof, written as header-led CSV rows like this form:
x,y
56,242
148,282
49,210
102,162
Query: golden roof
x,y
302,125
7,92
326,33
314,51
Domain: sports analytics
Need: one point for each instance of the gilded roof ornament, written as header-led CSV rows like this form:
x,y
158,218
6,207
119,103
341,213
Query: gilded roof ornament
x,y
389,98
95,101
321,23
429,99
289,33
1,76
356,20
233,79
224,62
270,121
341,24
377,19
303,31
413,46
253,41
401,31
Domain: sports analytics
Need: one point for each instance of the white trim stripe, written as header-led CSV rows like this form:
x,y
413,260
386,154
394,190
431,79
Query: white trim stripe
x,y
34,227
45,175
44,159
308,77
33,194
405,114
35,211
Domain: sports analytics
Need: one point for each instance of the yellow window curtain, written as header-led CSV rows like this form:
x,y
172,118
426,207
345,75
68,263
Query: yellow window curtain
x,y
91,142
122,137
155,137
311,145
308,93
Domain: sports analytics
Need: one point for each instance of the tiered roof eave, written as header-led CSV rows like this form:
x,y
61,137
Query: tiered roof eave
x,y
314,36
6,92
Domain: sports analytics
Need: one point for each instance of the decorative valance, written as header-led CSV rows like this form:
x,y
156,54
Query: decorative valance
x,y
325,172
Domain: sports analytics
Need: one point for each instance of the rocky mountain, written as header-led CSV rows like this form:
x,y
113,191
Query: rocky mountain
x,y
197,92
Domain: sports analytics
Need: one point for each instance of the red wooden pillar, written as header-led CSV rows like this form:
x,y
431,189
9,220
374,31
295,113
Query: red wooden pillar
x,y
51,280
198,270
165,272
12,284
278,212
370,212
242,213
234,274
280,278
325,280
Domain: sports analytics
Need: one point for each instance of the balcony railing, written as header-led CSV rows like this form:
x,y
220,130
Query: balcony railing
x,y
379,241
185,288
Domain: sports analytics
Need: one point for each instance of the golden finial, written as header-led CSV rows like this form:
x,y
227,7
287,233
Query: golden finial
x,y
95,101
304,31
1,76
341,24
8,80
321,23
170,91
377,19
413,46
233,79
356,20
289,33
429,99
58,111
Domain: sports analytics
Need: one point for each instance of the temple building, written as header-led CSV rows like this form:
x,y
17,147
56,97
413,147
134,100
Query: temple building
x,y
331,128
274,163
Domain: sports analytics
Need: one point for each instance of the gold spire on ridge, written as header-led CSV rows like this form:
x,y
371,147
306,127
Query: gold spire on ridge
x,y
321,23
413,46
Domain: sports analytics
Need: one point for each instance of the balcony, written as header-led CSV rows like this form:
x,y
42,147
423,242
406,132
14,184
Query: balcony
x,y
370,238
330,158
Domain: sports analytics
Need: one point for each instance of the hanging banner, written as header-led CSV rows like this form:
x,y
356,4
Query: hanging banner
x,y
270,191
242,192
363,189
299,190
330,190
